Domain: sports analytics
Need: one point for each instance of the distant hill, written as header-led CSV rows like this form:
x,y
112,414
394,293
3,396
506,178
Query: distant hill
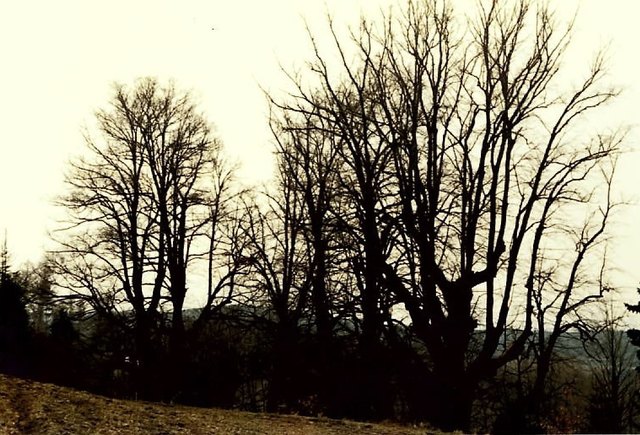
x,y
28,407
570,346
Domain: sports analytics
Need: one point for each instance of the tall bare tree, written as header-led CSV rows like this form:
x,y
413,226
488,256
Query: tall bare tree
x,y
467,181
307,158
149,200
110,257
280,283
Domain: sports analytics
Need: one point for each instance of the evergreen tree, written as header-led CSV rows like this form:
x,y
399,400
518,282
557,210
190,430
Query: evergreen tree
x,y
14,320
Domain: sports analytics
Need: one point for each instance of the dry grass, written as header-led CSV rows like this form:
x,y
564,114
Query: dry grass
x,y
28,407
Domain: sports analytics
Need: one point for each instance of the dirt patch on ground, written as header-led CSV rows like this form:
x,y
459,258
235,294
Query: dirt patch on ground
x,y
28,407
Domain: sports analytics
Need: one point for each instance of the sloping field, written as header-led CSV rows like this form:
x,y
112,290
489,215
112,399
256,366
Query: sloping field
x,y
28,407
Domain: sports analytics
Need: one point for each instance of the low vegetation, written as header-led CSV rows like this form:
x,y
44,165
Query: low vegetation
x,y
28,407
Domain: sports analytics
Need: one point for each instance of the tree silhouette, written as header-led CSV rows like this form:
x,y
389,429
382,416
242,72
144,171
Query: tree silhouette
x,y
15,331
613,400
148,202
464,181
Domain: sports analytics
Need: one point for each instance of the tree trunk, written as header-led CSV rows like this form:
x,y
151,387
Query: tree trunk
x,y
177,341
325,379
450,401
285,375
144,363
454,387
374,389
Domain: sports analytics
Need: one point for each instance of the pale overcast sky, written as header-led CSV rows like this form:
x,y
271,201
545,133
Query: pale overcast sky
x,y
58,58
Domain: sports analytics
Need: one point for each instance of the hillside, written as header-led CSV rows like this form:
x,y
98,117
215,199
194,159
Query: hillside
x,y
28,407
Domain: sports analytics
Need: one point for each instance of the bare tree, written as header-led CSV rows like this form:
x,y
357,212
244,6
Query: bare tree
x,y
343,193
307,157
147,203
189,185
110,257
614,399
36,279
467,182
280,284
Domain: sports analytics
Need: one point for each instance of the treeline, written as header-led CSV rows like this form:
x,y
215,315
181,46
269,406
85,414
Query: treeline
x,y
232,362
432,234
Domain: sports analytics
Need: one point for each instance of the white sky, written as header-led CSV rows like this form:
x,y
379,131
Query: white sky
x,y
58,58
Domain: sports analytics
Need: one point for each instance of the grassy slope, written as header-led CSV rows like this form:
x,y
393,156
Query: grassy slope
x,y
28,407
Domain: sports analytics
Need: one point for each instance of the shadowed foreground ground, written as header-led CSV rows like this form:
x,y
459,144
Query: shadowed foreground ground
x,y
28,407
